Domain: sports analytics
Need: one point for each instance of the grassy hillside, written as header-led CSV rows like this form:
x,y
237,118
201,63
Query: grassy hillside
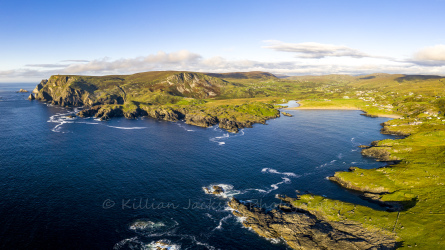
x,y
414,187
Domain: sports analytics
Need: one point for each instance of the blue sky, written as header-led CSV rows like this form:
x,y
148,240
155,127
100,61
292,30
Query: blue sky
x,y
41,38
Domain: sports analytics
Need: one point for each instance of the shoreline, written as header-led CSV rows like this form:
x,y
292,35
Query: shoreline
x,y
269,224
301,107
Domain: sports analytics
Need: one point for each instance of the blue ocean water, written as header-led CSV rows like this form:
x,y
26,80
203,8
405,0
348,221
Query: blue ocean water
x,y
83,184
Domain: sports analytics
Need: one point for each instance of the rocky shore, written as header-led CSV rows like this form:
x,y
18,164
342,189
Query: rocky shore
x,y
379,153
302,229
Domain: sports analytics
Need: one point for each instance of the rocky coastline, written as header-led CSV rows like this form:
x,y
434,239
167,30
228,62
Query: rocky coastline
x,y
72,91
303,229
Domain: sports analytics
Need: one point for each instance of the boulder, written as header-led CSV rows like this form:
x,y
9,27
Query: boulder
x,y
217,190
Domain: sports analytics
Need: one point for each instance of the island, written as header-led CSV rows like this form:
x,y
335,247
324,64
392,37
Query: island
x,y
410,188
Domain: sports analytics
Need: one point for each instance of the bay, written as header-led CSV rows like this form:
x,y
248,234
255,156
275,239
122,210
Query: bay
x,y
73,183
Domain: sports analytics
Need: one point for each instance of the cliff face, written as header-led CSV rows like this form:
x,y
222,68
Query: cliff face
x,y
304,230
77,91
90,91
194,85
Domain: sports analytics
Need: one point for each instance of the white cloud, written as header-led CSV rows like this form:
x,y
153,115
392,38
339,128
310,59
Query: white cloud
x,y
188,61
315,50
432,53
47,65
149,62
76,60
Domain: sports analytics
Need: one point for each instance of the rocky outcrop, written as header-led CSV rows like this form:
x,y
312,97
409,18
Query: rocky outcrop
x,y
31,97
387,130
349,185
233,125
39,86
89,112
200,119
22,91
286,114
164,113
106,113
379,153
194,85
133,114
302,229
372,194
73,91
216,190
369,115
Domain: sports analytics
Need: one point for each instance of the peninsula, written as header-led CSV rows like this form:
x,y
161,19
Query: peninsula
x,y
410,188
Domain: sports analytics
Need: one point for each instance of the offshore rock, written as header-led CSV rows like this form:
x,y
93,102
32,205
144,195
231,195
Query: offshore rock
x,y
216,190
286,114
302,229
22,91
31,97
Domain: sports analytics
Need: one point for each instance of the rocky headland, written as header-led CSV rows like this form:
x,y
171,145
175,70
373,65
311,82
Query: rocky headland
x,y
170,96
304,229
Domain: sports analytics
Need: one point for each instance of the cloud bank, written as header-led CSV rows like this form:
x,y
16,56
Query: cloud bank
x,y
430,56
315,50
433,53
332,60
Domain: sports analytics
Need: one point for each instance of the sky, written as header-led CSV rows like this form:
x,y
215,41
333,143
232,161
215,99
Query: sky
x,y
299,37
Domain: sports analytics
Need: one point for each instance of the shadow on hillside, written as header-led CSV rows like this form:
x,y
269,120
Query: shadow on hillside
x,y
417,77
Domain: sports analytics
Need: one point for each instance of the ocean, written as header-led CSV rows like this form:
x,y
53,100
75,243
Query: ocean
x,y
74,183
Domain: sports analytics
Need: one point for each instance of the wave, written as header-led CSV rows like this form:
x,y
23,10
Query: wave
x,y
327,164
147,227
225,135
218,139
219,227
275,186
180,124
162,244
129,128
274,171
130,243
60,119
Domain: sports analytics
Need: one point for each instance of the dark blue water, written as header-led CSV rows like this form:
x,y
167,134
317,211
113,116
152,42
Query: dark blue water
x,y
78,183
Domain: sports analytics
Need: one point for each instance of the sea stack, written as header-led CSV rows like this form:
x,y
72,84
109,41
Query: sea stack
x,y
22,91
31,97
